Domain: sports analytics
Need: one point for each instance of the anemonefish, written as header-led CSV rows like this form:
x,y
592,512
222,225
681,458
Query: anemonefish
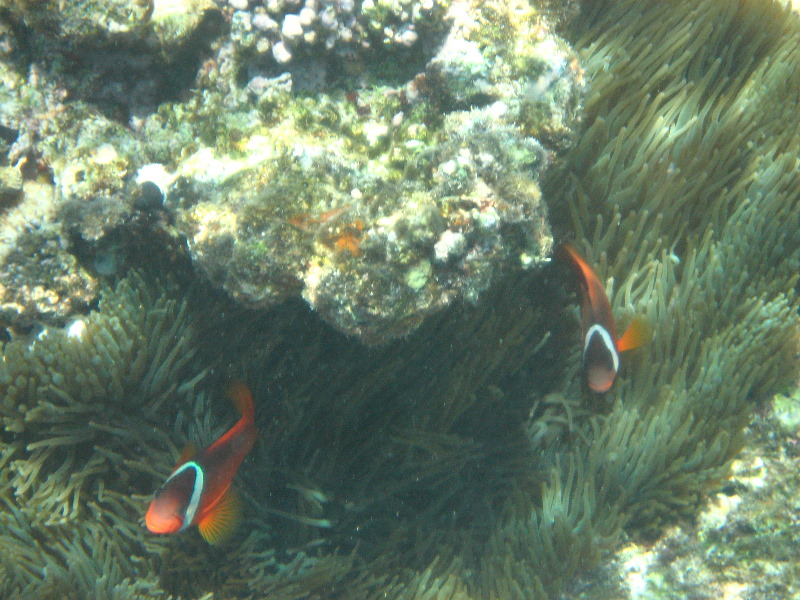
x,y
601,347
198,490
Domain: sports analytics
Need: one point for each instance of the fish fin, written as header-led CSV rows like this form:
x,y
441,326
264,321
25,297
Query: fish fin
x,y
220,524
638,333
186,454
242,399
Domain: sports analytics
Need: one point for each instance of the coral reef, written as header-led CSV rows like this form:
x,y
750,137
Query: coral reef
x,y
42,281
464,460
318,37
123,57
395,198
387,252
69,73
393,191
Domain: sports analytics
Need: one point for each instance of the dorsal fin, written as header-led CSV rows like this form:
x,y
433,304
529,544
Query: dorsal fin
x,y
188,452
638,333
240,395
221,522
596,307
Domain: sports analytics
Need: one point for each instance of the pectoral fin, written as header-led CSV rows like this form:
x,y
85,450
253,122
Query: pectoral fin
x,y
220,524
188,452
638,333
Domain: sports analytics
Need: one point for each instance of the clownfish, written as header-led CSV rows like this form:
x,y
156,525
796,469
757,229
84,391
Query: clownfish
x,y
601,347
198,490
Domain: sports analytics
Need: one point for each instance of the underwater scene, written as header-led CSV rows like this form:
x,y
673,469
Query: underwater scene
x,y
399,299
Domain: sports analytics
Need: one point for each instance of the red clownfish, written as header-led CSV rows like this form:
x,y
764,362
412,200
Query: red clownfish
x,y
601,347
198,491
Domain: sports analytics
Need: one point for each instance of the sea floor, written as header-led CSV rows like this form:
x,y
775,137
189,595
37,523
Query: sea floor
x,y
745,543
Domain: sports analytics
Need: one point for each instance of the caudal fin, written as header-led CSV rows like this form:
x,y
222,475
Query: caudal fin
x,y
638,333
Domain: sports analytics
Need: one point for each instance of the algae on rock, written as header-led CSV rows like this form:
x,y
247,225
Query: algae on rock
x,y
77,77
392,199
392,193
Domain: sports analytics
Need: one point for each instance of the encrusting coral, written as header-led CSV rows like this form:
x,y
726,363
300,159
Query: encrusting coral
x,y
406,180
464,461
393,193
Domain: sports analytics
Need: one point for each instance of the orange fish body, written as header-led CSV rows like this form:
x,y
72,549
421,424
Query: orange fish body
x,y
198,490
601,347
